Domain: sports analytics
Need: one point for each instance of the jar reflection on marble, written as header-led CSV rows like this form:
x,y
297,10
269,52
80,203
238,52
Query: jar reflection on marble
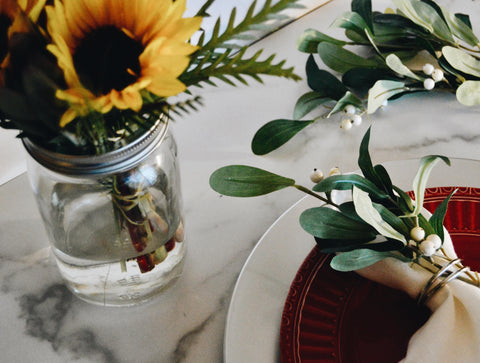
x,y
114,221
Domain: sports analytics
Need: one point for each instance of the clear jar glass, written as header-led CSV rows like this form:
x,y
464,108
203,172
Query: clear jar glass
x,y
114,221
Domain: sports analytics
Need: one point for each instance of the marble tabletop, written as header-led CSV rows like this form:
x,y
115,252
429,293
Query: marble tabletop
x,y
42,322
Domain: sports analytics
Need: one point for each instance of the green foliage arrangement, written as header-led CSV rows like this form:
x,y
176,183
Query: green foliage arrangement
x,y
89,76
379,221
420,47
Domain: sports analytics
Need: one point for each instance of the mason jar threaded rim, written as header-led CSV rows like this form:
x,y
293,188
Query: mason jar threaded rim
x,y
110,162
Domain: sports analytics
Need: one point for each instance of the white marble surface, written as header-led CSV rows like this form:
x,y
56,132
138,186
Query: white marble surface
x,y
42,322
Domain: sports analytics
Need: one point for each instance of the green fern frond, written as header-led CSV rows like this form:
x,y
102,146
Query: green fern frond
x,y
203,10
182,107
249,22
236,67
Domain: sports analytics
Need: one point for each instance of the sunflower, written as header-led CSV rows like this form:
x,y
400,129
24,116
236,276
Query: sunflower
x,y
111,51
14,19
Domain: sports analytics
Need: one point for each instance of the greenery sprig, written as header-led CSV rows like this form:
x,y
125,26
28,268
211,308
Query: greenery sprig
x,y
381,220
422,47
208,62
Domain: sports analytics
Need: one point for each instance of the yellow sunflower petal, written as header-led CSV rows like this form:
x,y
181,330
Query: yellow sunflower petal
x,y
166,86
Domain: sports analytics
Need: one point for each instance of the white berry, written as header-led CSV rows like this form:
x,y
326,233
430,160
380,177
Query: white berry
x,y
429,84
356,120
346,124
316,176
417,233
427,248
428,69
435,239
334,171
350,109
437,75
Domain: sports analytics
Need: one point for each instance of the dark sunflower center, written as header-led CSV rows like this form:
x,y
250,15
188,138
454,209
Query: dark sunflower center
x,y
105,60
5,23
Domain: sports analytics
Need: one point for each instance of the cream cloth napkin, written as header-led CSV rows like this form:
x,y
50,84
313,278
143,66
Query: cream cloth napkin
x,y
452,333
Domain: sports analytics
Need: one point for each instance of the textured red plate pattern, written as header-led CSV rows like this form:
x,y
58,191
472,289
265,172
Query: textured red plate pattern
x,y
331,316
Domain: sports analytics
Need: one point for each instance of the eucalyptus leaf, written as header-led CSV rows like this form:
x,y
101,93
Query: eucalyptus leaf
x,y
275,133
323,82
348,99
347,182
310,38
308,102
382,91
395,64
247,181
420,181
330,224
436,220
342,60
468,93
461,60
366,211
357,259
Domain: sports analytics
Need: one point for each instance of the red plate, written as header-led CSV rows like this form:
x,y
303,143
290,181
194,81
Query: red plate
x,y
332,316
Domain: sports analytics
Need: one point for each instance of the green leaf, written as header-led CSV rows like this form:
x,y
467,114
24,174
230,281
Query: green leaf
x,y
351,21
340,245
364,9
357,259
330,224
459,28
362,79
420,182
462,61
308,102
275,133
382,91
436,220
366,211
323,82
342,60
366,166
347,182
247,181
405,202
393,220
348,99
310,38
396,65
468,93
426,16
384,179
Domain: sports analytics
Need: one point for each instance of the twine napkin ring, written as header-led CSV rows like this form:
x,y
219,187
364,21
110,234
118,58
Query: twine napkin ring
x,y
438,280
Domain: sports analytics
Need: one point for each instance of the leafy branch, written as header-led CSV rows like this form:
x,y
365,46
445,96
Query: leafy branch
x,y
236,67
423,47
379,221
208,61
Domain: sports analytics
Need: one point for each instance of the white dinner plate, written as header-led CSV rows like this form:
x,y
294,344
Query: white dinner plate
x,y
252,331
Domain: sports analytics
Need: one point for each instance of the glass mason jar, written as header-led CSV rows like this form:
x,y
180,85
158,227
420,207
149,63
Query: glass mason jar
x,y
114,221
